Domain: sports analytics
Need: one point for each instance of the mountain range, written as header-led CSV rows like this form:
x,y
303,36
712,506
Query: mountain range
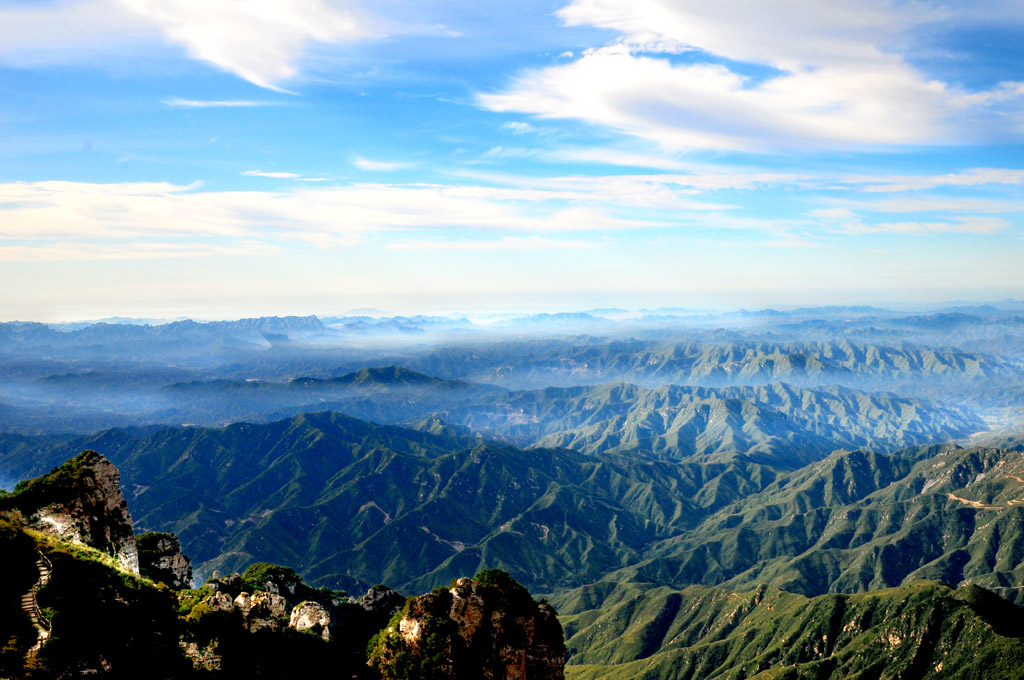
x,y
350,503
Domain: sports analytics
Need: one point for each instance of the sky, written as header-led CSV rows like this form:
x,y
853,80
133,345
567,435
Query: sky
x,y
221,159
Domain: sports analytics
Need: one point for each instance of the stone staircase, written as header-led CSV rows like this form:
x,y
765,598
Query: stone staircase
x,y
30,605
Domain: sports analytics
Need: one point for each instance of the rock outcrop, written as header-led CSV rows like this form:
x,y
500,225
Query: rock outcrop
x,y
161,559
311,616
80,501
487,627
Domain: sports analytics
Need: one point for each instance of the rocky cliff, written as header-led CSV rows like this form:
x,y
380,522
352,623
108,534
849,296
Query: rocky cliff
x,y
487,627
264,623
79,501
161,559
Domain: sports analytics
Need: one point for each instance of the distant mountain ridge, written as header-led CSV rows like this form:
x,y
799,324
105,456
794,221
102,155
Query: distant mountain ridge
x,y
778,423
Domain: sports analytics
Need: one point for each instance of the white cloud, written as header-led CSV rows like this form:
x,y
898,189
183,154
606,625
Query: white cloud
x,y
511,152
378,166
258,40
934,204
833,77
800,33
517,127
960,225
274,175
967,178
41,218
261,41
611,156
177,102
667,190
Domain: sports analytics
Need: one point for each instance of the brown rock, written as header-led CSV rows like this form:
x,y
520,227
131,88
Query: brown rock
x,y
91,510
491,630
310,615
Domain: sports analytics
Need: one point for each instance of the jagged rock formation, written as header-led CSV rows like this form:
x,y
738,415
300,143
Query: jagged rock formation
x,y
81,502
312,616
161,559
487,627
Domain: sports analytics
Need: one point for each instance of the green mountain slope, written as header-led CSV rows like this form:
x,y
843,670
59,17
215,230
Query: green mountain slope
x,y
859,521
351,504
924,630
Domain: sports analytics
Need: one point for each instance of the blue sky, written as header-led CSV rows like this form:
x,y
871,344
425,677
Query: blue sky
x,y
222,159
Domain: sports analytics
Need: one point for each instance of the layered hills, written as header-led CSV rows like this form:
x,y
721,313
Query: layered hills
x,y
54,388
350,504
102,619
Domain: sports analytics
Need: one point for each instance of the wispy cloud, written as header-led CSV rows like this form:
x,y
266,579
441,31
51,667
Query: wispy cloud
x,y
517,127
179,103
274,175
967,178
258,41
378,166
934,204
50,215
962,225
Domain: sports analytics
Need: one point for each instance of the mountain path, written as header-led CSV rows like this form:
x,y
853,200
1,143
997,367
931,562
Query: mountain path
x,y
30,605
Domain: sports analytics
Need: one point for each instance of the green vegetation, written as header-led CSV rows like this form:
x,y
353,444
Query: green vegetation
x,y
458,631
432,658
922,630
61,483
362,503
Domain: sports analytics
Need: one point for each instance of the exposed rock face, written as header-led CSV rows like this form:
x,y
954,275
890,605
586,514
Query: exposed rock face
x,y
243,603
310,615
488,628
381,600
81,501
219,602
268,610
161,559
232,583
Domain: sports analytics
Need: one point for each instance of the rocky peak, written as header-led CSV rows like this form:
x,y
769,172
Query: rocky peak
x,y
486,627
80,501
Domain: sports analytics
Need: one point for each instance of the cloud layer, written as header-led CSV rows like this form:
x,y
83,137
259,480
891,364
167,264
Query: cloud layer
x,y
742,74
